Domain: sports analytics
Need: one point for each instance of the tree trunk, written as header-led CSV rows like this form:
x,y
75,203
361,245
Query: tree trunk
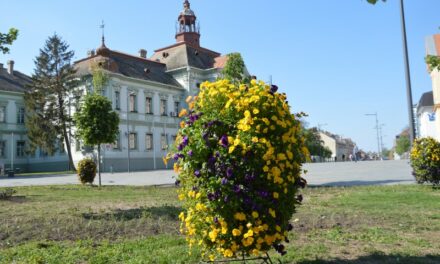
x,y
69,150
99,164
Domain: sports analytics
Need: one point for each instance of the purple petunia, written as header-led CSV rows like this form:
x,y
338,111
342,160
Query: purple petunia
x,y
224,181
190,153
224,141
273,89
185,141
229,172
176,157
237,189
197,173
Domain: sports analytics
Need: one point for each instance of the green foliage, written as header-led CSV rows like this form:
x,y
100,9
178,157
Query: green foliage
x,y
314,143
7,193
7,39
234,69
96,121
433,62
425,160
86,170
374,1
47,100
402,144
386,153
99,78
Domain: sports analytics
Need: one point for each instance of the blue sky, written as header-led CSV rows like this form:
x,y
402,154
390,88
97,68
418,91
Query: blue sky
x,y
336,60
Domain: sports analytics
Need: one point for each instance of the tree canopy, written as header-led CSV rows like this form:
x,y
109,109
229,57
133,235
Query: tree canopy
x,y
403,144
48,99
234,69
7,39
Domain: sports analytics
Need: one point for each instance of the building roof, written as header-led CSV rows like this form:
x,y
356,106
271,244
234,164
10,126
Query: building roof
x,y
183,55
426,100
127,65
17,82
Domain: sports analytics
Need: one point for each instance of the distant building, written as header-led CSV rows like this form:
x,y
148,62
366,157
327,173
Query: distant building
x,y
433,48
426,116
341,148
13,139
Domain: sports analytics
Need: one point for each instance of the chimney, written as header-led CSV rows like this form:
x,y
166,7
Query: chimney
x,y
90,53
143,53
10,67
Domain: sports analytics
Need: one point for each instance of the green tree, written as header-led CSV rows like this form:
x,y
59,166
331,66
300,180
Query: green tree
x,y
48,99
7,39
386,153
403,144
97,123
234,69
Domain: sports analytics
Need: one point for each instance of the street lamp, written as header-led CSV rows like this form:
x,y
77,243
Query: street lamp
x,y
407,75
377,130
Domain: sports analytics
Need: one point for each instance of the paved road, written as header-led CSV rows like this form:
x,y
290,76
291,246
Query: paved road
x,y
332,174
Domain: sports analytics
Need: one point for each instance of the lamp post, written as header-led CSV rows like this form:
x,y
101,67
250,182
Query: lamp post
x,y
377,130
407,75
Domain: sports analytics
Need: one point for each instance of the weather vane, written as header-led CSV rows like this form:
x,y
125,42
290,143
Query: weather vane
x,y
102,26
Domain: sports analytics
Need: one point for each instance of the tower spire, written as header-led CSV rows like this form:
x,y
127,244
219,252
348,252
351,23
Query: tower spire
x,y
188,30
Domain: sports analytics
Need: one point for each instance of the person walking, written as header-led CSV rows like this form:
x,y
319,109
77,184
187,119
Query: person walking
x,y
355,151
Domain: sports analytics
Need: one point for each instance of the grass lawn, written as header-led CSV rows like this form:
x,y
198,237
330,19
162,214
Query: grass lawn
x,y
114,224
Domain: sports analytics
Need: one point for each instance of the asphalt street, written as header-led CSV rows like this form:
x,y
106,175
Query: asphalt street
x,y
321,174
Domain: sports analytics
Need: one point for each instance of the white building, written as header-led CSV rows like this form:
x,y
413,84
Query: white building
x,y
426,116
13,139
148,94
341,148
433,48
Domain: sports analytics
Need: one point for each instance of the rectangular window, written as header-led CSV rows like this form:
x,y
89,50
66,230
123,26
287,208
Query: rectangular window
x,y
133,141
20,115
133,106
117,100
149,141
176,108
2,114
163,107
148,105
77,145
163,141
2,149
20,149
117,143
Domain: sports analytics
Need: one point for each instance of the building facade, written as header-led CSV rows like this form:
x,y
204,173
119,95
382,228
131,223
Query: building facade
x,y
341,148
433,48
13,139
148,94
426,116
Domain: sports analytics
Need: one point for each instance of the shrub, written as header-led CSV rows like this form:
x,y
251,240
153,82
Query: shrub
x,y
86,170
7,193
238,155
425,160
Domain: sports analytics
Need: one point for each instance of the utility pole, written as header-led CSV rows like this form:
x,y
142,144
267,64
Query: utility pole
x,y
377,130
407,75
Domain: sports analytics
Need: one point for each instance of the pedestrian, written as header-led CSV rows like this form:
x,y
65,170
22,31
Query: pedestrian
x,y
355,151
350,157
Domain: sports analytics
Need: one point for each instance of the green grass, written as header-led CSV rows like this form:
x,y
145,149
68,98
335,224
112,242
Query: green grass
x,y
117,224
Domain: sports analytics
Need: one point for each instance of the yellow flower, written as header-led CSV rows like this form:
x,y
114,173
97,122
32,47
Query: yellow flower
x,y
183,112
240,216
276,195
272,212
213,235
236,232
249,233
255,214
231,149
188,99
228,253
255,139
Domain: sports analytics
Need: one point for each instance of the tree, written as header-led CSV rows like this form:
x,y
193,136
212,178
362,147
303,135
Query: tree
x,y
234,69
386,153
374,1
7,39
97,123
48,99
403,144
